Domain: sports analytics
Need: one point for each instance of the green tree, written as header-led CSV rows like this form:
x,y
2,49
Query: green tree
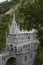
x,y
30,15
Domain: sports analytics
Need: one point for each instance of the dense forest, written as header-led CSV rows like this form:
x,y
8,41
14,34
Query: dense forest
x,y
28,15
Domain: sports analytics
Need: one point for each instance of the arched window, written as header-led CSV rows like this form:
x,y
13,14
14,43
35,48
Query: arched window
x,y
21,48
15,49
31,55
11,46
25,58
28,37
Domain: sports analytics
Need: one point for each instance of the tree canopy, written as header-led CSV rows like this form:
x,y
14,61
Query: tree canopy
x,y
30,15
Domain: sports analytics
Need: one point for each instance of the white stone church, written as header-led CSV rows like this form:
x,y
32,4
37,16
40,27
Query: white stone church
x,y
21,45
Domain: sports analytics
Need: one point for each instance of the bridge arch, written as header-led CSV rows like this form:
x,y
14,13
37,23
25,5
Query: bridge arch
x,y
11,61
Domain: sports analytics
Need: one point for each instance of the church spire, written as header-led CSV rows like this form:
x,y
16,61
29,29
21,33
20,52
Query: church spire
x,y
13,28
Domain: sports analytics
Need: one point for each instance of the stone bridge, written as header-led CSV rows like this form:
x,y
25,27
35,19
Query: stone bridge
x,y
8,58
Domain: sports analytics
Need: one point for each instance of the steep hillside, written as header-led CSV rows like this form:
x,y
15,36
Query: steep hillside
x,y
30,15
5,6
5,21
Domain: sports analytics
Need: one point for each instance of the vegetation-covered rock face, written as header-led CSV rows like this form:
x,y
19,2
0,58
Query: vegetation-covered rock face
x,y
5,21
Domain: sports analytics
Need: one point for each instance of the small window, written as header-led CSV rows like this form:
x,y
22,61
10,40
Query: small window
x,y
21,48
12,49
25,58
31,42
28,37
31,55
11,46
24,46
7,47
15,49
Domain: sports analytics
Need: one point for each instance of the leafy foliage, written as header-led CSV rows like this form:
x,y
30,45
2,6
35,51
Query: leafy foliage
x,y
5,6
5,20
28,16
4,27
39,57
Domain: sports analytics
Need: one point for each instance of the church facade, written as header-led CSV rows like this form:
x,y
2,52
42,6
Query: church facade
x,y
22,45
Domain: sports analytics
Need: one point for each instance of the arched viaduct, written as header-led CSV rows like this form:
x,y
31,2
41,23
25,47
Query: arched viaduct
x,y
9,59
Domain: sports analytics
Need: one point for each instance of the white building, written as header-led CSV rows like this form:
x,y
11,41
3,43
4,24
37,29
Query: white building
x,y
23,44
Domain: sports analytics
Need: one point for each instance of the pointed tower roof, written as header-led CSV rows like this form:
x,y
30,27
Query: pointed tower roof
x,y
13,29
